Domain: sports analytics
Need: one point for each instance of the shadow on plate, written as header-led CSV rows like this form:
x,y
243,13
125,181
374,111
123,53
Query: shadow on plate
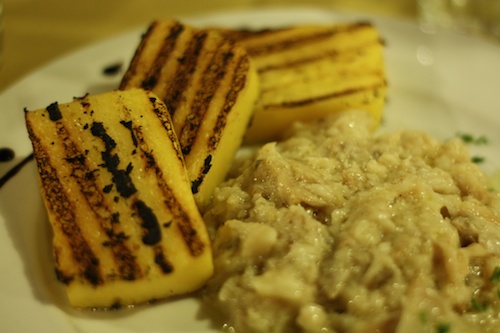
x,y
28,227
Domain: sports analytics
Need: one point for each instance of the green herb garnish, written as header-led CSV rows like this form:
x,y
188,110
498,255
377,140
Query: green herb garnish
x,y
423,316
478,307
495,276
477,159
482,140
443,328
470,139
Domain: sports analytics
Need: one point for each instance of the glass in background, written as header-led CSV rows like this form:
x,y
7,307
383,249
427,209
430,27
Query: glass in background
x,y
463,16
1,31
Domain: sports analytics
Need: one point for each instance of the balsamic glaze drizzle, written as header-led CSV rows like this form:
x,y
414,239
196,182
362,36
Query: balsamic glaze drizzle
x,y
113,69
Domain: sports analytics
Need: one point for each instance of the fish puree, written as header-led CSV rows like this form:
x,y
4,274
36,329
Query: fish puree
x,y
338,229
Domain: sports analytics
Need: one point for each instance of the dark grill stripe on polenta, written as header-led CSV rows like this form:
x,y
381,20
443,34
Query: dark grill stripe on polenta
x,y
94,196
183,222
64,210
111,161
161,260
164,55
328,54
210,82
162,114
126,228
239,79
333,95
134,66
152,232
187,65
109,222
293,47
124,183
282,42
195,85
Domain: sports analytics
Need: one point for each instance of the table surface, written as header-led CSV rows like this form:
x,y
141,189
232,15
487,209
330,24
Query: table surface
x,y
39,31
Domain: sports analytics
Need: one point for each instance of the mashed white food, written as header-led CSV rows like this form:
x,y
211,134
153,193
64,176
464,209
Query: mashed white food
x,y
338,230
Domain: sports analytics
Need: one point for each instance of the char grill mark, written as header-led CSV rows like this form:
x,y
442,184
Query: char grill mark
x,y
136,60
54,112
64,211
207,165
191,237
124,183
328,54
285,43
210,83
238,81
162,261
337,94
164,54
133,67
167,124
245,34
121,177
109,222
183,222
237,85
182,78
149,221
289,43
152,234
128,125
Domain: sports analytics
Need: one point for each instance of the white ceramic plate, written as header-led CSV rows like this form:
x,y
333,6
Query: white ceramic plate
x,y
442,84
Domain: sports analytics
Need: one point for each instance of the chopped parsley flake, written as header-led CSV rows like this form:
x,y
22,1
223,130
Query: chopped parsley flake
x,y
443,328
477,159
423,317
495,276
470,139
478,307
473,140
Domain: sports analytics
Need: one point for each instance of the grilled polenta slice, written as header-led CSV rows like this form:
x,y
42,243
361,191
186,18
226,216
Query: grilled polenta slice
x,y
307,72
210,88
125,224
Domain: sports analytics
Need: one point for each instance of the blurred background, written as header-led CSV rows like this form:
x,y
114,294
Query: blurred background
x,y
39,31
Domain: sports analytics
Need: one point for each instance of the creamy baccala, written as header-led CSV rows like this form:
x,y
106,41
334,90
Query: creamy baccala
x,y
338,229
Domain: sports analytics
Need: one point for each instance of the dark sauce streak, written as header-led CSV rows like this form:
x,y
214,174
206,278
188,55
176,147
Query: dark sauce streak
x,y
113,69
7,154
12,172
